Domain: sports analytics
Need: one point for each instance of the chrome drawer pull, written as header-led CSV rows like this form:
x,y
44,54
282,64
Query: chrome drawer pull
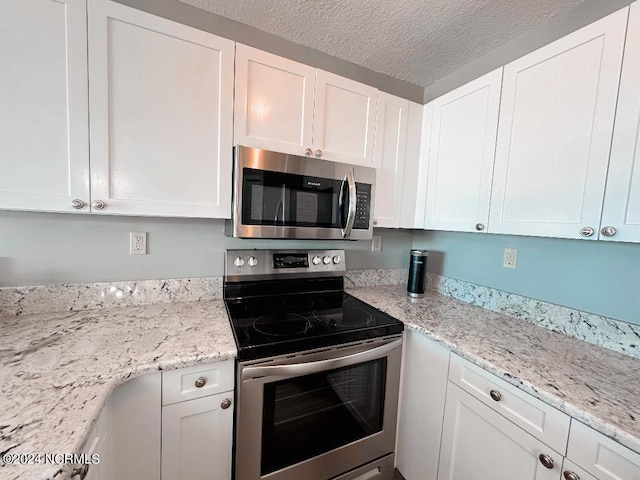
x,y
496,395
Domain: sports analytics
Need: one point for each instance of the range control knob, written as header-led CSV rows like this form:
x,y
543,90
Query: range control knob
x,y
238,262
316,260
253,261
326,260
336,259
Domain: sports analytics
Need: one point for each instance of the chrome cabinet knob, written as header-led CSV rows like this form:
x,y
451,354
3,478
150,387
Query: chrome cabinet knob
x,y
226,403
318,153
98,204
586,231
608,231
546,460
77,203
201,382
496,395
308,152
479,226
570,475
80,472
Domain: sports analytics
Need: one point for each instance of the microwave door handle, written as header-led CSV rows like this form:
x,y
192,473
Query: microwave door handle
x,y
281,205
351,215
298,369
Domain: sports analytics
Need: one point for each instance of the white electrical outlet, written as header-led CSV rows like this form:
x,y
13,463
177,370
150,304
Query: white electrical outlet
x,y
138,243
376,243
510,258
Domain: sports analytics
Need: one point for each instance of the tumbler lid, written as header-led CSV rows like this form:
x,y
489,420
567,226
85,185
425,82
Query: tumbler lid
x,y
420,253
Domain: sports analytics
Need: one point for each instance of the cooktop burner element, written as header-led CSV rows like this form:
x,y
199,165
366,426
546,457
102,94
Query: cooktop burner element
x,y
275,309
348,315
281,325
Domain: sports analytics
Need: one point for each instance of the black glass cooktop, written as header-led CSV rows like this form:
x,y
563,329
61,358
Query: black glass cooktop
x,y
272,325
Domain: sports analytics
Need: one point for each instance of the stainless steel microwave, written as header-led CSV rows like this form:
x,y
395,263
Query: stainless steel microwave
x,y
277,195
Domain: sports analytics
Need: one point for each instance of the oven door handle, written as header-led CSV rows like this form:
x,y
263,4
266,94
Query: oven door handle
x,y
298,369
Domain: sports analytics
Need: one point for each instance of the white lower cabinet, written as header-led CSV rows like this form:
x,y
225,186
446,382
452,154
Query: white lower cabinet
x,y
197,422
599,456
479,443
197,437
424,384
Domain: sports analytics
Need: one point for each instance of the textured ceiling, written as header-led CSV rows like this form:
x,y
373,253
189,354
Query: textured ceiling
x,y
419,41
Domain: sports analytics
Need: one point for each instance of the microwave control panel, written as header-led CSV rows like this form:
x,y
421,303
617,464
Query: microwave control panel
x,y
363,206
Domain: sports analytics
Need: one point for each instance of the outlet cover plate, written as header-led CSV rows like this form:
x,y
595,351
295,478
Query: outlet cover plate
x,y
138,243
510,259
376,243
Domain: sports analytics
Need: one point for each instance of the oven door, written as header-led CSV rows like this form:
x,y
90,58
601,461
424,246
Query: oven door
x,y
317,415
278,195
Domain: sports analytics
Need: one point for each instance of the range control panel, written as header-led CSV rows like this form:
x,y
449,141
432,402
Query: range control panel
x,y
278,263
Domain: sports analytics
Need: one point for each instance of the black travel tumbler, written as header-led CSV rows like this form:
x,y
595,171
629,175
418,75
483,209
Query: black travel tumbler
x,y
417,273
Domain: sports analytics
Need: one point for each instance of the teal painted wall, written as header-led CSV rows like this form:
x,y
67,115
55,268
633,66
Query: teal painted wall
x,y
593,276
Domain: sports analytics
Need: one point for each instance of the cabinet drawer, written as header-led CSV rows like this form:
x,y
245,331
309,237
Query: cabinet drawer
x,y
534,416
180,385
600,456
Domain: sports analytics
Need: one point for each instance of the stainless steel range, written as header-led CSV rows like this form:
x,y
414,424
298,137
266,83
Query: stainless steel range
x,y
318,370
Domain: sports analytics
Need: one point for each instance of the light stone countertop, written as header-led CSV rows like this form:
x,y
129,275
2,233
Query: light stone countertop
x,y
596,386
58,369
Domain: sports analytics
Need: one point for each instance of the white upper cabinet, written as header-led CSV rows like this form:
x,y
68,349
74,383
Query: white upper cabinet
x,y
556,123
273,102
622,198
161,101
289,107
390,153
461,154
44,147
344,121
415,170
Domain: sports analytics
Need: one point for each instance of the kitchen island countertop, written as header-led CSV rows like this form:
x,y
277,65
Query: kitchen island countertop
x,y
58,369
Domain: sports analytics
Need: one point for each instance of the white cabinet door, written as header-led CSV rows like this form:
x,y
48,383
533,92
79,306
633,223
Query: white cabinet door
x,y
344,120
556,123
273,102
465,124
415,173
622,198
601,456
424,385
390,153
478,443
196,439
161,100
44,147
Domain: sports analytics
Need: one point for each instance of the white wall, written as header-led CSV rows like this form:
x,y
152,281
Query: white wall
x,y
48,248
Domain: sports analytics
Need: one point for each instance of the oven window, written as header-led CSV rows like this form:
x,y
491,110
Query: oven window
x,y
307,416
284,199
